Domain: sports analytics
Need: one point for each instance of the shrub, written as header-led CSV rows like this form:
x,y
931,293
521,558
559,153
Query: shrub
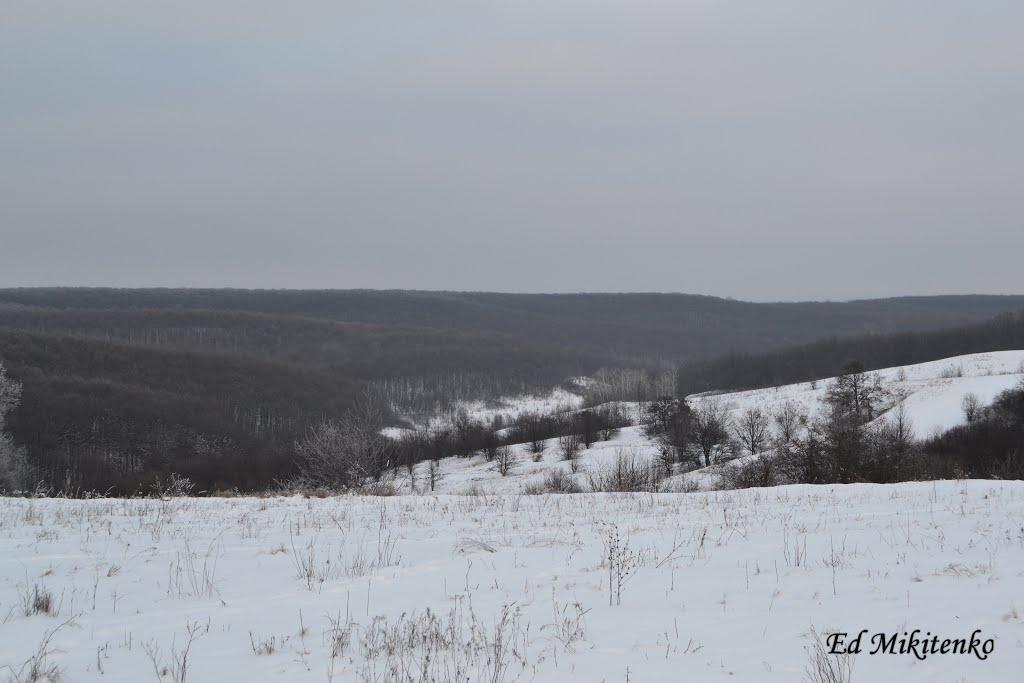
x,y
555,481
378,488
626,475
759,472
38,600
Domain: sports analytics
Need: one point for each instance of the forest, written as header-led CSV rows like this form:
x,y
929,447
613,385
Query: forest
x,y
824,357
113,399
674,327
123,387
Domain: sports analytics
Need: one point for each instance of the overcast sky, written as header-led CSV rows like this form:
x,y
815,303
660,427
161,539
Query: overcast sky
x,y
761,150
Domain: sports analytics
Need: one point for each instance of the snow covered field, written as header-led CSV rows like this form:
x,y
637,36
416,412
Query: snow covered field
x,y
718,586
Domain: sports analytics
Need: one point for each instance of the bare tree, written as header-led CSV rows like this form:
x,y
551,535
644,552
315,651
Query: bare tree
x,y
752,429
504,460
898,432
710,428
347,451
534,429
433,474
586,424
569,445
832,451
971,405
15,472
788,420
856,393
669,422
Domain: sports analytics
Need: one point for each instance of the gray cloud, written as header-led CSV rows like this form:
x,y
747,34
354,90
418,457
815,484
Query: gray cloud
x,y
759,150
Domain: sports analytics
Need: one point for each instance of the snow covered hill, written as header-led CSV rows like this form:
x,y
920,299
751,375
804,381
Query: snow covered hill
x,y
931,394
722,586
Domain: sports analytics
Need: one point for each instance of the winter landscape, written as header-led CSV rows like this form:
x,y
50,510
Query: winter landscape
x,y
612,341
729,585
480,568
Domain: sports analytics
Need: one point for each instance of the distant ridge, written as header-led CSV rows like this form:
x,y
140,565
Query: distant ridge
x,y
825,357
670,326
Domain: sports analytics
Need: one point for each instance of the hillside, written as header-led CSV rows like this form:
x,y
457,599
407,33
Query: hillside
x,y
114,399
122,386
669,326
931,394
96,415
821,358
355,350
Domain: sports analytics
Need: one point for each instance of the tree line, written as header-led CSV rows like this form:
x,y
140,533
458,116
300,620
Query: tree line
x,y
351,452
820,359
113,400
674,327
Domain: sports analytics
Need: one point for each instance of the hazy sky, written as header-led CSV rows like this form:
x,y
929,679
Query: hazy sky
x,y
762,150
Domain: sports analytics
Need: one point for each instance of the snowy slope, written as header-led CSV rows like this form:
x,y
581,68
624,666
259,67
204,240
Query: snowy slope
x,y
930,392
558,400
727,586
476,474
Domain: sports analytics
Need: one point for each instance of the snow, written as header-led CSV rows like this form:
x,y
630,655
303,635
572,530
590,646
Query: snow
x,y
728,585
509,408
930,392
931,397
475,474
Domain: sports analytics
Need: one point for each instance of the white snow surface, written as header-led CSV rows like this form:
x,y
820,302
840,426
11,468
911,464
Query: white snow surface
x,y
931,392
727,586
